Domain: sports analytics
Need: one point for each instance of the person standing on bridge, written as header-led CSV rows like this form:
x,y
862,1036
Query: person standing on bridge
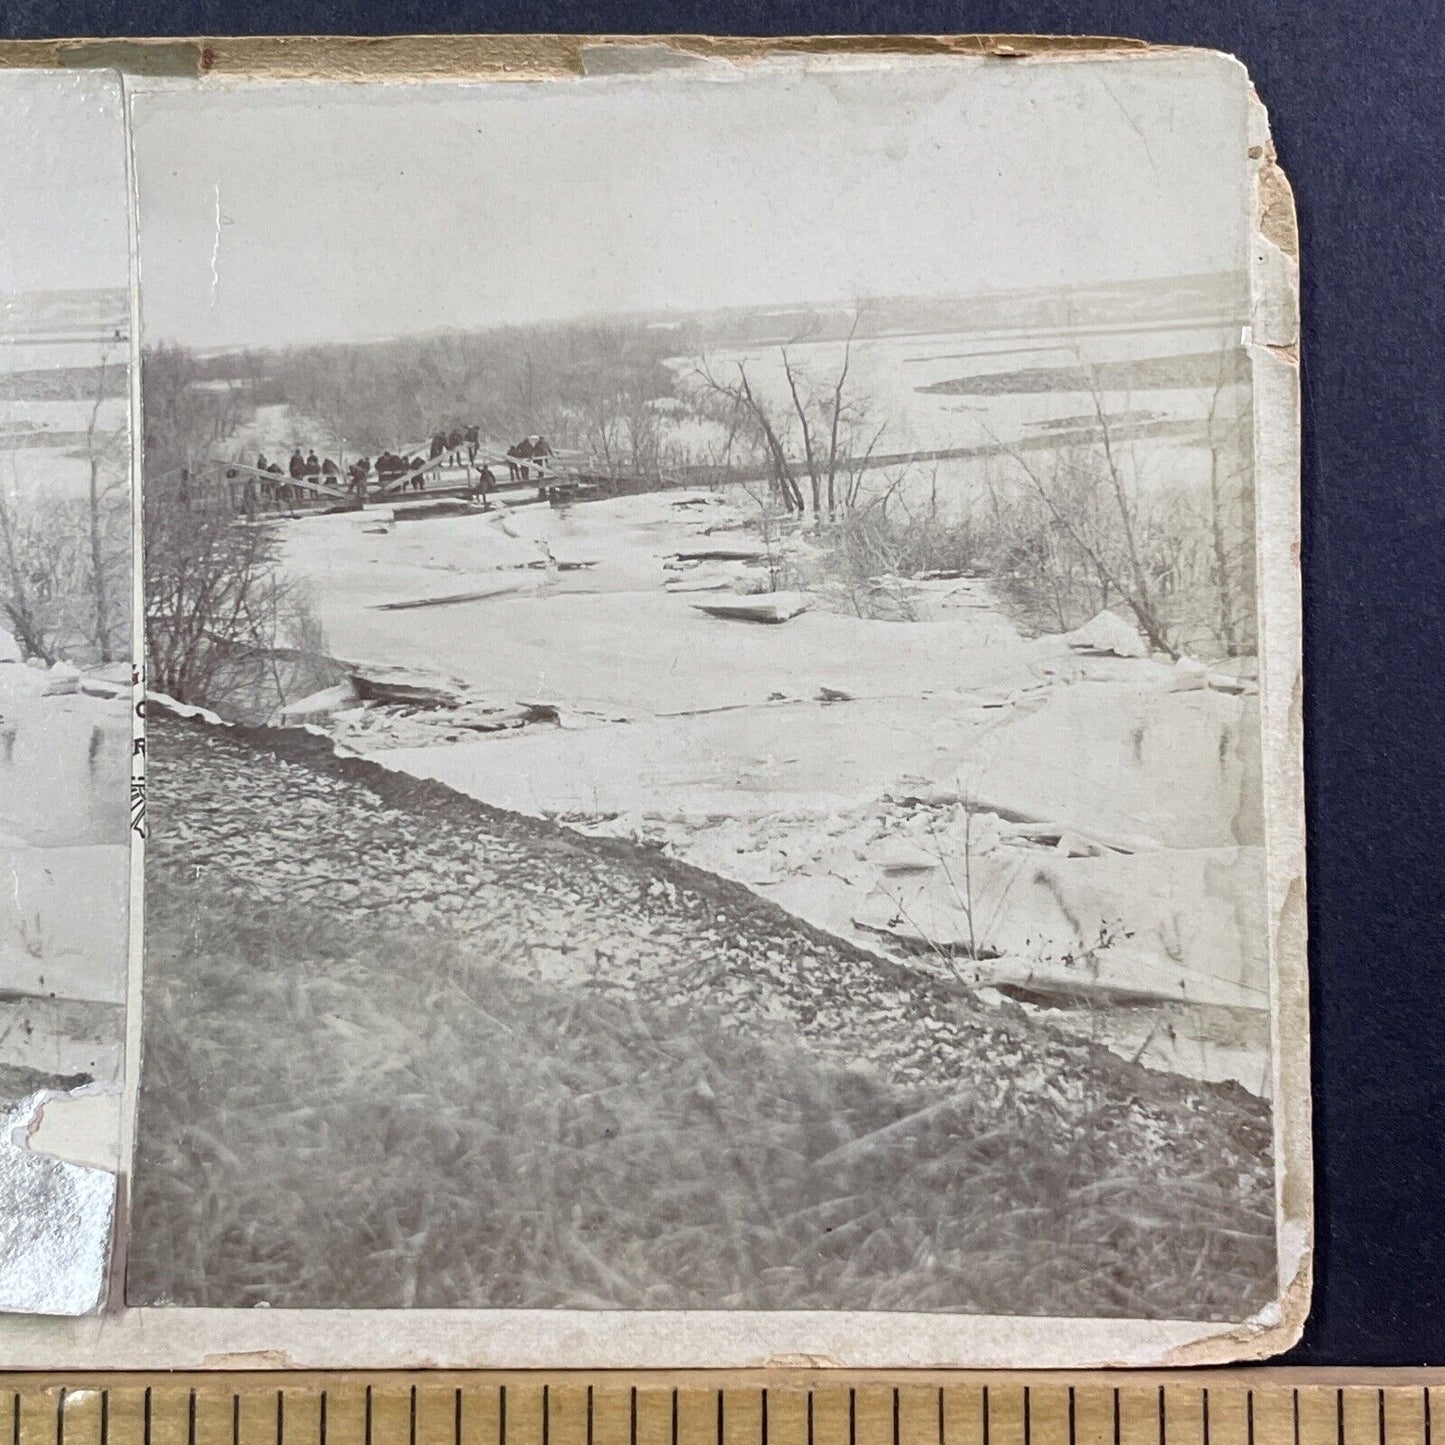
x,y
523,453
486,480
358,472
473,438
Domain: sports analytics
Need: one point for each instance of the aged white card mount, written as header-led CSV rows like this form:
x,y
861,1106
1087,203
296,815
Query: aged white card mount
x,y
721,751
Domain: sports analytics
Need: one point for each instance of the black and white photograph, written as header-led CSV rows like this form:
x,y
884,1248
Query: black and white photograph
x,y
704,724
65,684
721,754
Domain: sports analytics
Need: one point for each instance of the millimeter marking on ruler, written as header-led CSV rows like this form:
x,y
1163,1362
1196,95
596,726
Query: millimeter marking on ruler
x,y
769,1408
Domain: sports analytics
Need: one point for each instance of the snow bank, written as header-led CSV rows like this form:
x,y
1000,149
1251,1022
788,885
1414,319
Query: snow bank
x,y
1108,632
1179,769
800,758
18,680
318,706
64,764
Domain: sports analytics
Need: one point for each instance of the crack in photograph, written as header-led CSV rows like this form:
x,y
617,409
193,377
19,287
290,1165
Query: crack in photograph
x,y
704,720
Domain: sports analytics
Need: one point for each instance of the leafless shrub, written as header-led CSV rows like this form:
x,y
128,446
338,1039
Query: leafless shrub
x,y
64,561
1087,527
220,617
821,437
877,546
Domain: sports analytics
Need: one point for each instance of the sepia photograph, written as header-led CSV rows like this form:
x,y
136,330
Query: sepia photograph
x,y
65,684
705,747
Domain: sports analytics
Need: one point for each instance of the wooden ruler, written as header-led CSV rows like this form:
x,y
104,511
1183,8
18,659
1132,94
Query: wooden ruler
x,y
1230,1407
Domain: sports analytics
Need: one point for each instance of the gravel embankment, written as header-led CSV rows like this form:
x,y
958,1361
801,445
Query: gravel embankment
x,y
277,818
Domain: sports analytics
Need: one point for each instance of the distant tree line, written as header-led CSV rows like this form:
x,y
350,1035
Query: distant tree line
x,y
588,387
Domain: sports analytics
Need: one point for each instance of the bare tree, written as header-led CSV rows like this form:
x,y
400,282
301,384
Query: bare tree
x,y
783,476
1233,556
100,451
825,421
215,601
606,391
1092,504
821,422
22,585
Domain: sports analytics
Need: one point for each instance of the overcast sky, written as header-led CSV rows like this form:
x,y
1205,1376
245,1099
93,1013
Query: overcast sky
x,y
304,213
62,180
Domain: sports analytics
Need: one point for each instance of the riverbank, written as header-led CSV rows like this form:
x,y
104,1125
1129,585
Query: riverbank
x,y
406,1048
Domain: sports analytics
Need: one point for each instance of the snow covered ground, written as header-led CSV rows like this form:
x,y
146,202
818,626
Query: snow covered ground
x,y
1080,828
65,748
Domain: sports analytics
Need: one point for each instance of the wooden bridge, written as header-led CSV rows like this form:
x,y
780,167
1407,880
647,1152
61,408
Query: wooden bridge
x,y
262,490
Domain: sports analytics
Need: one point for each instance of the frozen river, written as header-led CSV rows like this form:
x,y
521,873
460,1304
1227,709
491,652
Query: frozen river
x,y
48,390
817,759
984,391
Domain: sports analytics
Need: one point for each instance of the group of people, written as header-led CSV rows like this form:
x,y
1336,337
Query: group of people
x,y
299,470
451,444
459,446
527,451
390,467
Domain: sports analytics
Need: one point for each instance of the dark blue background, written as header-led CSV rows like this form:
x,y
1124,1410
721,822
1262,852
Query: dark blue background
x,y
1356,93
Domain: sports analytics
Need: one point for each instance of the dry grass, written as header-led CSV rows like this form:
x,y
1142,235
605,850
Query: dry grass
x,y
869,550
333,1115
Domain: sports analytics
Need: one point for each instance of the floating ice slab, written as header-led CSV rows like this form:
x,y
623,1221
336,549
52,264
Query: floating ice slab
x,y
764,607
